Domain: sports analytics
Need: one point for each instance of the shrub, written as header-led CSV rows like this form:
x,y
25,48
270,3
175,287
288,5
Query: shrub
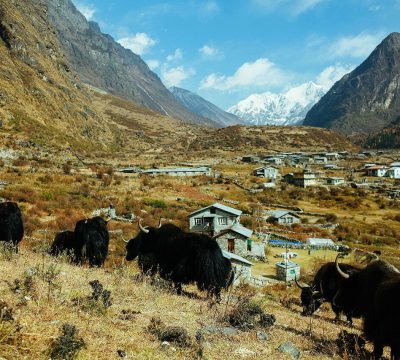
x,y
67,345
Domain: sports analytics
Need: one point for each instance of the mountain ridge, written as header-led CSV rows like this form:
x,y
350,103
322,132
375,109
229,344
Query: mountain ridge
x,y
368,98
204,108
102,62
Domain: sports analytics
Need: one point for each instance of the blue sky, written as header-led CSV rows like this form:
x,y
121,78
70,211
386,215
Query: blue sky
x,y
225,50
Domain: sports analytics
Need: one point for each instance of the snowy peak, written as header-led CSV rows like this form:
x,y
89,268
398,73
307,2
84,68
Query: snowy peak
x,y
288,108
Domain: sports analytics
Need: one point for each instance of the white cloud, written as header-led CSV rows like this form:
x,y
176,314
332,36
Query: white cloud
x,y
87,10
139,43
333,73
358,46
293,7
209,51
175,76
153,64
177,55
259,73
209,8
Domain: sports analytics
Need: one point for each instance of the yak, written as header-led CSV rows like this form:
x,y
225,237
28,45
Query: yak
x,y
323,289
91,241
11,224
373,293
64,241
182,258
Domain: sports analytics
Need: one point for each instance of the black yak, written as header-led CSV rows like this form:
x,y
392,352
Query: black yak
x,y
182,258
64,241
323,288
11,224
373,293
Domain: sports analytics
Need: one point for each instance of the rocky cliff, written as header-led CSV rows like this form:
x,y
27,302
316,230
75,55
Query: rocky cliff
x,y
102,62
367,99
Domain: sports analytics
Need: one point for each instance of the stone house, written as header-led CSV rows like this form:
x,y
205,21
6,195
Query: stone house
x,y
223,223
240,266
376,170
283,217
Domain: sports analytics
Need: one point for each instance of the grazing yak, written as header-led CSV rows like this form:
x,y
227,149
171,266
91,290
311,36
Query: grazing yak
x,y
89,242
11,224
64,241
182,258
323,288
373,293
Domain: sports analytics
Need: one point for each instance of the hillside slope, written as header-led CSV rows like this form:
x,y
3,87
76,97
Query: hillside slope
x,y
39,94
368,98
102,62
202,107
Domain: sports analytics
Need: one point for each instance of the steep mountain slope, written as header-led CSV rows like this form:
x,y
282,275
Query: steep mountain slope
x,y
387,138
202,107
368,98
288,108
39,94
102,62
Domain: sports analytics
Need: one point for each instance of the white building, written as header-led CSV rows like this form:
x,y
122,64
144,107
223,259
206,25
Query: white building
x,y
334,180
267,172
179,171
393,173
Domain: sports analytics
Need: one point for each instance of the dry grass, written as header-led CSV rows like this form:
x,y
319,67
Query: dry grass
x,y
40,312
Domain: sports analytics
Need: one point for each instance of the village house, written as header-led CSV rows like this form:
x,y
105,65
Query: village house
x,y
305,178
223,223
267,172
334,180
376,170
332,156
320,160
393,173
240,266
320,243
274,160
283,217
179,171
251,158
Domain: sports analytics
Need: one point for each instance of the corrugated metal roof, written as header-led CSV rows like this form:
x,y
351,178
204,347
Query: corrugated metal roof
x,y
166,170
221,207
287,264
232,256
279,213
320,241
240,229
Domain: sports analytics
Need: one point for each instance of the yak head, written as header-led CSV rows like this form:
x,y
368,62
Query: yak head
x,y
143,243
311,299
348,291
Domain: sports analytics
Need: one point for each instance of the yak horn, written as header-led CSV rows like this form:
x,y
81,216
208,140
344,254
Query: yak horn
x,y
125,241
339,270
160,222
142,228
301,286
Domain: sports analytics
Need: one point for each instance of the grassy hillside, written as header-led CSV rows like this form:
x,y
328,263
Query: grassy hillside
x,y
43,294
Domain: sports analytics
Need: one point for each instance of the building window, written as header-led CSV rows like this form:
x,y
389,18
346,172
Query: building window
x,y
223,221
289,220
231,245
249,244
198,221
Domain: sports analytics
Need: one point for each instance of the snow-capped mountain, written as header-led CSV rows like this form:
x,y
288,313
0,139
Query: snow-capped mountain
x,y
289,108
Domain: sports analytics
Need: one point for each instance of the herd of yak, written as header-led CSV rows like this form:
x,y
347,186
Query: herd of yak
x,y
371,293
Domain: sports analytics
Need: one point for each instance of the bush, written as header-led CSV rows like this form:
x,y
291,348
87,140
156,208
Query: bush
x,y
67,345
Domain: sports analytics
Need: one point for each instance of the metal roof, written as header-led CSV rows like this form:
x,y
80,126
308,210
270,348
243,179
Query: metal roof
x,y
287,264
221,207
232,256
320,241
279,213
240,229
166,170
